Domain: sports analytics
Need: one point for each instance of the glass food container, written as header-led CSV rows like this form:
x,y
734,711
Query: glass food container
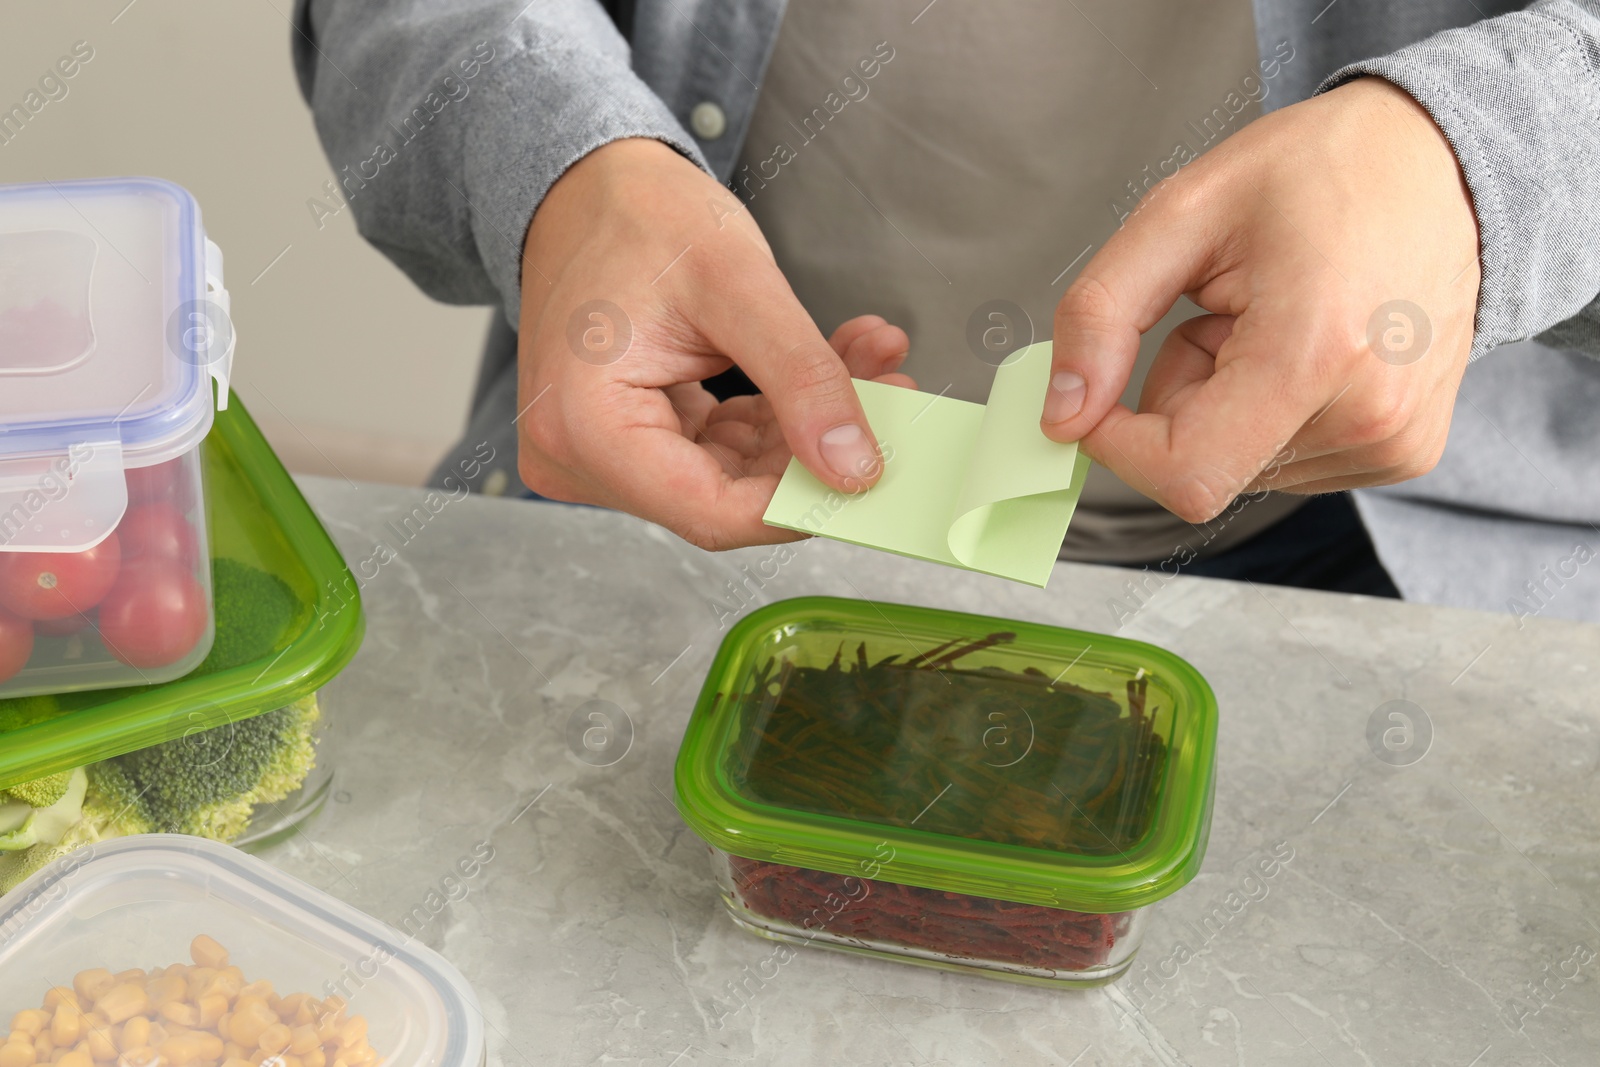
x,y
235,749
958,791
304,977
113,324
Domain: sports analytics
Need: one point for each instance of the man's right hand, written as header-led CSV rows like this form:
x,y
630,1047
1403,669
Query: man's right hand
x,y
641,278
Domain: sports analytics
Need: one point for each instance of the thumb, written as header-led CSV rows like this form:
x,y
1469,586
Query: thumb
x,y
756,321
1124,290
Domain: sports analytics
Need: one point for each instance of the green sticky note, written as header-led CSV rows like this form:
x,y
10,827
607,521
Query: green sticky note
x,y
977,486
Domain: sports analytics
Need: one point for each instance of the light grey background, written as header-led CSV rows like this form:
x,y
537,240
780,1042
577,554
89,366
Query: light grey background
x,y
348,368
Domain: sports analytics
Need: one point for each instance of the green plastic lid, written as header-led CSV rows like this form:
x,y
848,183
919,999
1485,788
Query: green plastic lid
x,y
257,517
953,752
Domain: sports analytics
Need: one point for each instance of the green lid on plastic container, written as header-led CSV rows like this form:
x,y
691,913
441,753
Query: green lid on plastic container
x,y
954,752
256,517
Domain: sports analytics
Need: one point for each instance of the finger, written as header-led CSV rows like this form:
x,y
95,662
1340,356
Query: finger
x,y
734,464
1187,358
1340,485
756,321
1395,460
692,403
696,491
739,436
751,409
902,381
875,352
1200,456
851,329
1158,255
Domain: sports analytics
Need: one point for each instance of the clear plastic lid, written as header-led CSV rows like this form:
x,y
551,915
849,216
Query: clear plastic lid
x,y
113,322
139,902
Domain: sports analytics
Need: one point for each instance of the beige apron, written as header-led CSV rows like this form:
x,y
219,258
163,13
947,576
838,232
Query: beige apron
x,y
993,148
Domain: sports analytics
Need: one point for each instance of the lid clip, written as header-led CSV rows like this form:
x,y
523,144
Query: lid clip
x,y
220,365
62,501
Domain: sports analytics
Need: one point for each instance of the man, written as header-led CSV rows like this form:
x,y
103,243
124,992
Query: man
x,y
1351,251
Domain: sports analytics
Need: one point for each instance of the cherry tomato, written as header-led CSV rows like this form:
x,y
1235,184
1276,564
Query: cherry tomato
x,y
54,585
154,615
16,644
66,627
158,531
162,483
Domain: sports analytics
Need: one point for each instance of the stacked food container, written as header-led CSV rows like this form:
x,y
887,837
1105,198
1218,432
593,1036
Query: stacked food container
x,y
169,605
170,609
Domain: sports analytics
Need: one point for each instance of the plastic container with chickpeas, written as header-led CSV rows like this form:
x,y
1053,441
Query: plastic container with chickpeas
x,y
169,951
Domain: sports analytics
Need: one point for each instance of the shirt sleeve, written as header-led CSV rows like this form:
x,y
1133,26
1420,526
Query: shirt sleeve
x,y
1518,98
447,121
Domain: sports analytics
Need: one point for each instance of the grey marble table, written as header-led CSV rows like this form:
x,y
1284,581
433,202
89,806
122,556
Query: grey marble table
x,y
1439,910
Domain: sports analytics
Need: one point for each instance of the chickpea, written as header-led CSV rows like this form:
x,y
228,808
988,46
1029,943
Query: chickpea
x,y
101,1047
30,1021
223,984
199,981
17,1054
90,984
206,952
135,1034
176,1011
275,1038
213,1006
328,1027
167,988
57,996
303,1039
353,1031
66,1026
122,1002
251,1018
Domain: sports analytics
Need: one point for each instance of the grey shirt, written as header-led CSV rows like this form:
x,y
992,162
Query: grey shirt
x,y
1515,88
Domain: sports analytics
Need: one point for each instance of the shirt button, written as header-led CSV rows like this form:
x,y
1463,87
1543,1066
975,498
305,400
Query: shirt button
x,y
708,121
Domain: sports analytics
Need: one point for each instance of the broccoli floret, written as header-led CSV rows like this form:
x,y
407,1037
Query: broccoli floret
x,y
254,609
207,783
41,792
16,867
47,824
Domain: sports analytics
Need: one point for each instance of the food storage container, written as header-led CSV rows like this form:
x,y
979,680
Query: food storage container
x,y
958,791
113,324
233,750
301,969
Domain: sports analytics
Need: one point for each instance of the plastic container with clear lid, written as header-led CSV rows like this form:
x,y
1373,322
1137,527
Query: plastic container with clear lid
x,y
112,928
236,749
113,324
954,790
